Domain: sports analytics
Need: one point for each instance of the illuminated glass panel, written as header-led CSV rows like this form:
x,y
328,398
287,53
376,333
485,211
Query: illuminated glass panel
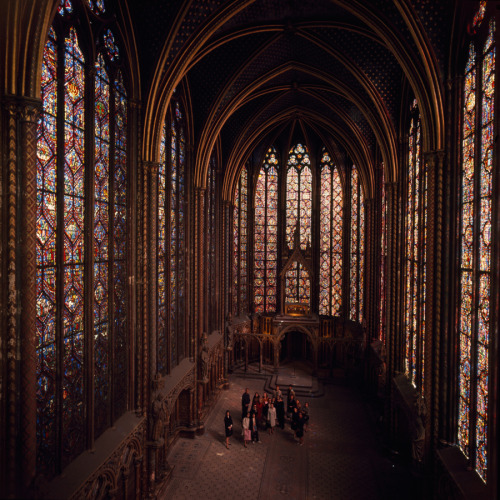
x,y
475,261
174,239
467,251
181,190
485,201
65,7
240,256
297,284
46,228
331,210
171,242
298,196
97,6
478,18
416,241
101,245
72,411
119,247
357,248
79,319
111,47
162,325
266,235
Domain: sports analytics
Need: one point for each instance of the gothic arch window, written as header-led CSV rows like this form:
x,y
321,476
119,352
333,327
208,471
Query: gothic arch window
x,y
357,247
240,235
81,323
331,234
171,240
266,235
475,244
415,252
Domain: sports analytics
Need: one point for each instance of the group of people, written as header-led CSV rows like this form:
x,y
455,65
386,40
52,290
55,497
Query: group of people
x,y
268,412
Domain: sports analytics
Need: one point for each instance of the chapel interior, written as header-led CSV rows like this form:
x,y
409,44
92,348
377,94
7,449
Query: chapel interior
x,y
192,189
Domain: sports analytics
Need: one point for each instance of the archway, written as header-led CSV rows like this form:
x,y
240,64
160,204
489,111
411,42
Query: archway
x,y
296,346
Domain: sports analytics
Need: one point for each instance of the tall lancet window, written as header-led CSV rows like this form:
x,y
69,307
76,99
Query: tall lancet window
x,y
171,241
415,252
298,196
357,250
81,324
240,234
475,246
266,235
331,222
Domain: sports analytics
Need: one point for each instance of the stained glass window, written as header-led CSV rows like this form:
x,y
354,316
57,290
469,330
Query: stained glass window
x,y
97,6
416,239
298,196
357,248
162,325
475,251
73,332
171,242
266,235
240,232
331,222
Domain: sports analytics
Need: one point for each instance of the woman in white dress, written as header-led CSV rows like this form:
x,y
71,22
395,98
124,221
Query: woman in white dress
x,y
247,435
271,418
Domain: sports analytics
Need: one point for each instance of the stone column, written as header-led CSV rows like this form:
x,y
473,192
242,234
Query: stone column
x,y
151,172
133,230
27,272
198,285
392,307
10,296
435,162
19,295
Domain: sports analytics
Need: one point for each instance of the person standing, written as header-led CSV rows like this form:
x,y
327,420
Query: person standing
x,y
271,418
245,403
290,397
228,426
277,393
254,428
299,430
247,433
305,412
280,412
291,404
265,409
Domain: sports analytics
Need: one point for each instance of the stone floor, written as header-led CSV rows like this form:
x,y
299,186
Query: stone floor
x,y
341,458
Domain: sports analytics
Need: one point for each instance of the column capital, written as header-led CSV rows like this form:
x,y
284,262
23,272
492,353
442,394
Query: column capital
x,y
151,167
435,157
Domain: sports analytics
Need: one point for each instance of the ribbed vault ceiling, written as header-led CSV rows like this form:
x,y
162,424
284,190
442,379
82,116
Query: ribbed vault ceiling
x,y
254,69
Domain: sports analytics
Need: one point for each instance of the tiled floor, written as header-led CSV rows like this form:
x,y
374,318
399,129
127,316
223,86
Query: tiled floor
x,y
340,459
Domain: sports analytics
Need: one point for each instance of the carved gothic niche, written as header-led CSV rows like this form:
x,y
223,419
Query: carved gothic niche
x,y
296,278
